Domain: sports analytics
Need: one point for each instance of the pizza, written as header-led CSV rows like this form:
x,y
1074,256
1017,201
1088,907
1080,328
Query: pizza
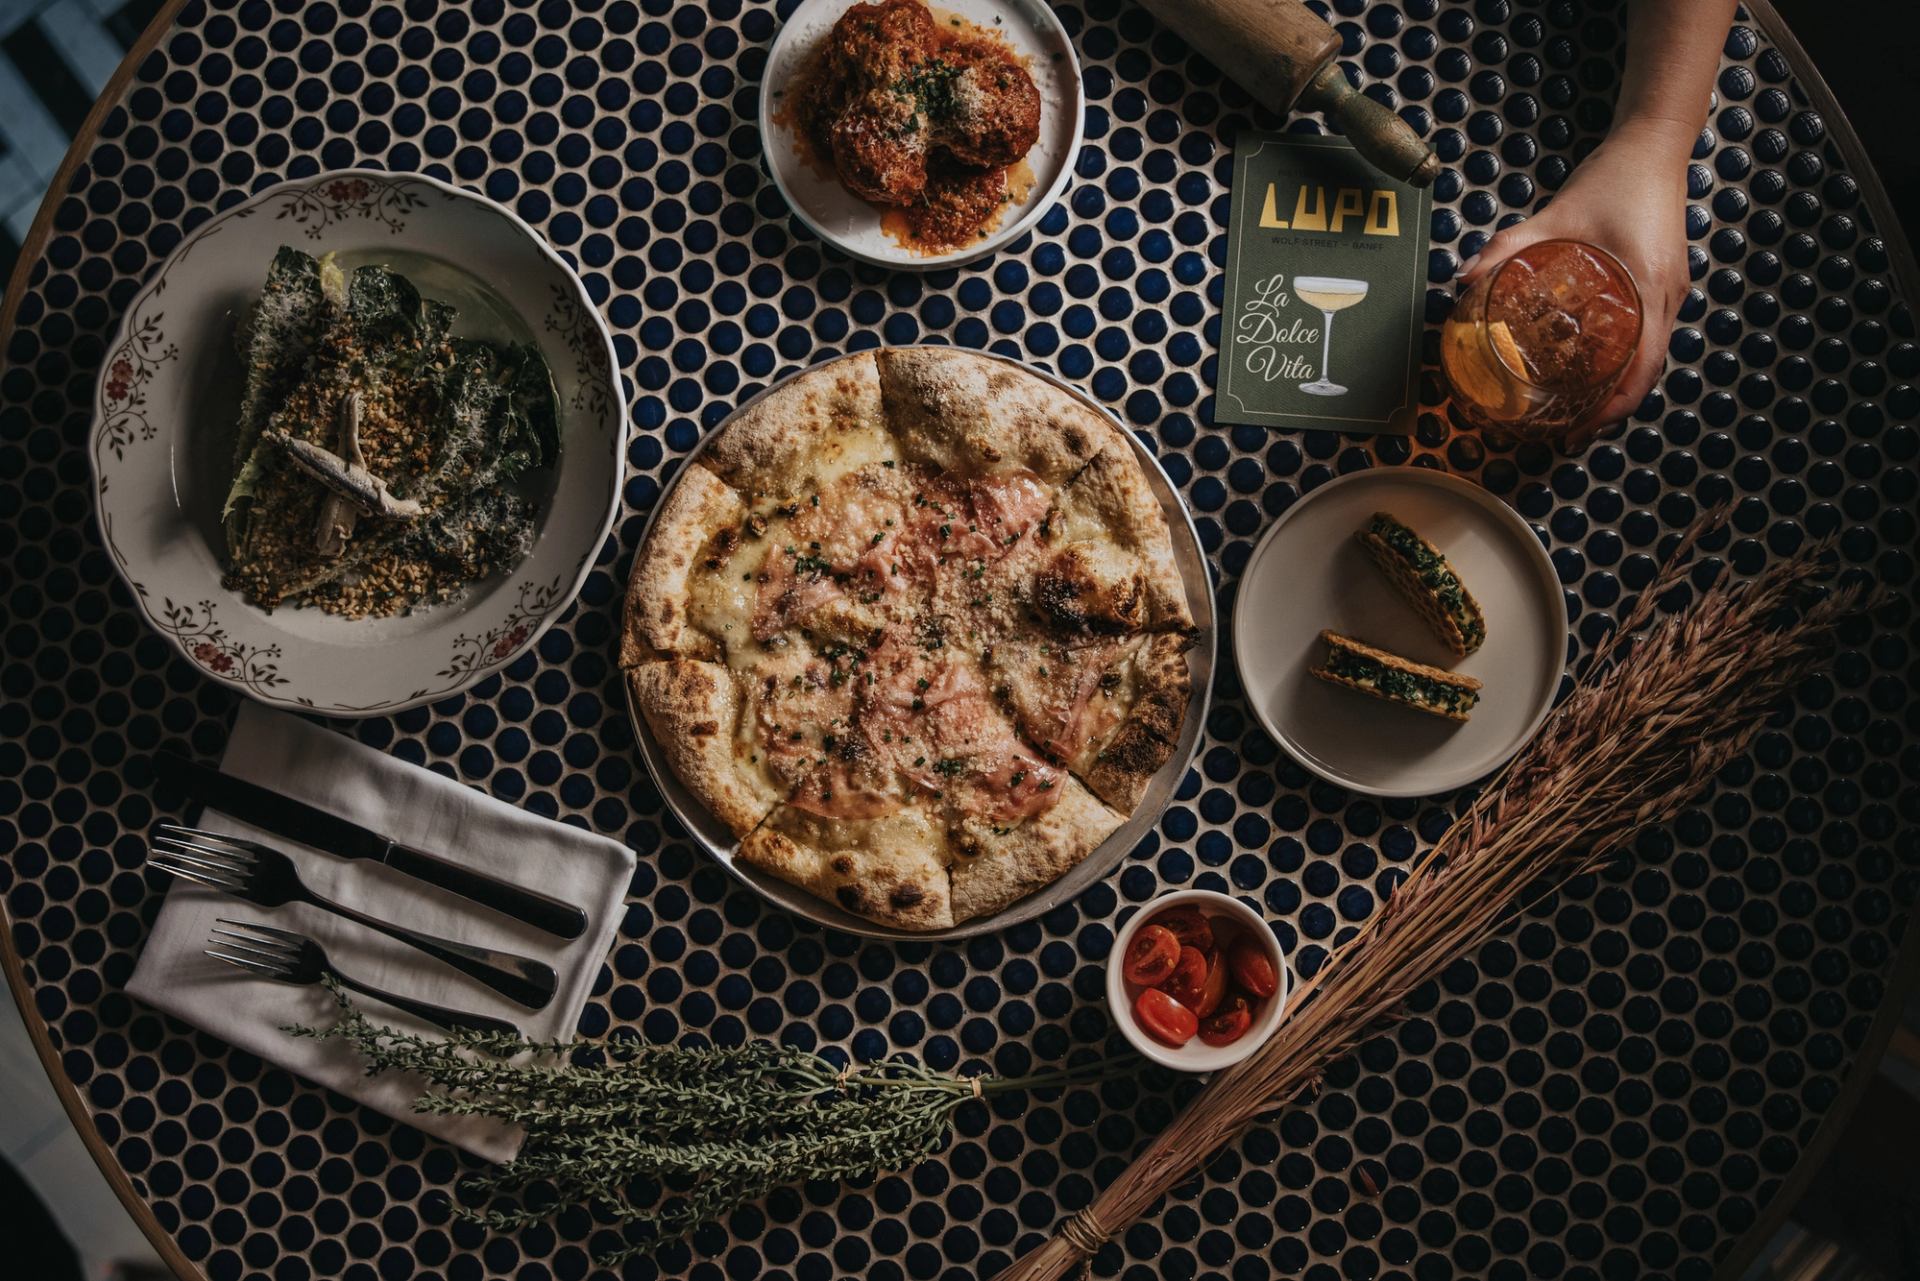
x,y
911,627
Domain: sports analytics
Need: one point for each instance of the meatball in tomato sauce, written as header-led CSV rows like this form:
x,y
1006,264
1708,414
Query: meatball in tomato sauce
x,y
920,116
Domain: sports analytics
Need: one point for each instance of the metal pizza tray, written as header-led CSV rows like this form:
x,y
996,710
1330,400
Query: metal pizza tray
x,y
719,841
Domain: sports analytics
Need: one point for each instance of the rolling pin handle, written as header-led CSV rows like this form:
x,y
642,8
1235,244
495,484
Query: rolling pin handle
x,y
1386,140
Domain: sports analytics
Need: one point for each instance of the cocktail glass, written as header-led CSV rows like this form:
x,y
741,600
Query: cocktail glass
x,y
1535,347
1329,294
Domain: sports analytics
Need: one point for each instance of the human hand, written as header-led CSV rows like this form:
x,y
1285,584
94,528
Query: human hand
x,y
1629,198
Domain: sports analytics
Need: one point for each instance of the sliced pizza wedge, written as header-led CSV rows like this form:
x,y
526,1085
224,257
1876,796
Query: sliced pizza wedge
x,y
720,579
995,866
693,541
891,869
1111,565
970,414
1110,709
820,424
693,709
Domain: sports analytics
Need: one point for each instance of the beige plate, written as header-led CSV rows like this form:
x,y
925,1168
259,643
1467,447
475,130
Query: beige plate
x,y
718,840
1308,573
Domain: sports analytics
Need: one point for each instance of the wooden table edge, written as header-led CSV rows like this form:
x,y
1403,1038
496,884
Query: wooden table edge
x,y
1905,971
32,248
1901,978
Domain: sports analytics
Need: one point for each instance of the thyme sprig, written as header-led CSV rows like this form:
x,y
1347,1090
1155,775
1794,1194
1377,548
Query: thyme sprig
x,y
659,1140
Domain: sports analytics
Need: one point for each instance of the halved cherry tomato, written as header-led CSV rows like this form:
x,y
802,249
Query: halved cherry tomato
x,y
1229,1023
1215,989
1165,1018
1189,979
1189,925
1151,955
1252,968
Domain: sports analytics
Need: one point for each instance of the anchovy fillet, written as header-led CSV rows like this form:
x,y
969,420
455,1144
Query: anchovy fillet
x,y
338,515
357,485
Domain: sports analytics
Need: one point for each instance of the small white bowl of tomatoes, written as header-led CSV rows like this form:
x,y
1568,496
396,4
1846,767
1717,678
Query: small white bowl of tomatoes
x,y
1197,981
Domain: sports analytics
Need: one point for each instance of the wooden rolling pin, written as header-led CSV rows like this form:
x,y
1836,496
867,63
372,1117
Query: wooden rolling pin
x,y
1279,52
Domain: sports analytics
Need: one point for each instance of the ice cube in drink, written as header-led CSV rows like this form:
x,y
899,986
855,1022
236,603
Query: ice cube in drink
x,y
1541,341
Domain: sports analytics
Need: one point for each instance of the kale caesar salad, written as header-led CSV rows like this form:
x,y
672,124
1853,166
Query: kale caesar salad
x,y
381,463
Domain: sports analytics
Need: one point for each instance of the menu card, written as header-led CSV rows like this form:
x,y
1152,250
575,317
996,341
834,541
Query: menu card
x,y
1325,289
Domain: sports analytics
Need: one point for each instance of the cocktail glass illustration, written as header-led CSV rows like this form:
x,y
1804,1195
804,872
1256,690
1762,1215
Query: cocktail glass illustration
x,y
1329,294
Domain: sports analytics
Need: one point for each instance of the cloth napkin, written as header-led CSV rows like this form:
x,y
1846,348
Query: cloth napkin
x,y
419,808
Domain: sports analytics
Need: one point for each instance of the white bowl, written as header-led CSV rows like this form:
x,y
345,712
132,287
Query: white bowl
x,y
851,224
167,396
1196,1055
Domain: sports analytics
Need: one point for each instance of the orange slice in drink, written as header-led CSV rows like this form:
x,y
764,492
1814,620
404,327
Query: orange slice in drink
x,y
1484,366
1507,348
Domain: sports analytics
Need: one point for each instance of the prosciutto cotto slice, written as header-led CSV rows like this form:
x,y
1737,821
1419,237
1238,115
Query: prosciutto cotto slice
x,y
951,742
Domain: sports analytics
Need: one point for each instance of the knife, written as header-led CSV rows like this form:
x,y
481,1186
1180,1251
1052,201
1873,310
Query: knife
x,y
295,820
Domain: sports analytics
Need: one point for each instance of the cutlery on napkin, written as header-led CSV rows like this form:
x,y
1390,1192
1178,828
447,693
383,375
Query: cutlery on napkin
x,y
416,806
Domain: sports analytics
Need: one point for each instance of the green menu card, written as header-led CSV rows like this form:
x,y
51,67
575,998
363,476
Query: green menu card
x,y
1325,289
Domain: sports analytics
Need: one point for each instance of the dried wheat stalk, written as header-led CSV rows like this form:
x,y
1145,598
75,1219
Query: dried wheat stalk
x,y
1662,706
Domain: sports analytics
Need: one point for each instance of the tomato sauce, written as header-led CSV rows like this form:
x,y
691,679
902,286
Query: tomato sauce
x,y
958,210
959,203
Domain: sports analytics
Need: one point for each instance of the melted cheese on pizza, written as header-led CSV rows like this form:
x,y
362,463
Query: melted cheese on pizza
x,y
844,608
721,589
950,647
1066,698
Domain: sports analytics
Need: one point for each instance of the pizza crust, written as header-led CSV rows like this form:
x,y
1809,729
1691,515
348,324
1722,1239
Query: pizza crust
x,y
992,869
967,412
1120,769
699,507
1162,686
693,709
890,870
796,439
1111,512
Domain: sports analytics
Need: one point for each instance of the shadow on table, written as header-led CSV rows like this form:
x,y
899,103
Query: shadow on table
x,y
1859,1219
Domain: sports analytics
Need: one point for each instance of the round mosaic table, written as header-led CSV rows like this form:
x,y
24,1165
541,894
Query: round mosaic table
x,y
1626,1084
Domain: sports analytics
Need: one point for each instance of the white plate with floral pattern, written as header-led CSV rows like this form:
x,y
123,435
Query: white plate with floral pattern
x,y
167,399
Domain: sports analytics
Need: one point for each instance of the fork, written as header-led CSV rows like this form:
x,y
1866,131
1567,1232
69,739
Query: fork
x,y
295,958
265,877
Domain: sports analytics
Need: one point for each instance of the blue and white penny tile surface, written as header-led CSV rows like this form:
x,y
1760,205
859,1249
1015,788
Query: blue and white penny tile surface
x,y
1614,1088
